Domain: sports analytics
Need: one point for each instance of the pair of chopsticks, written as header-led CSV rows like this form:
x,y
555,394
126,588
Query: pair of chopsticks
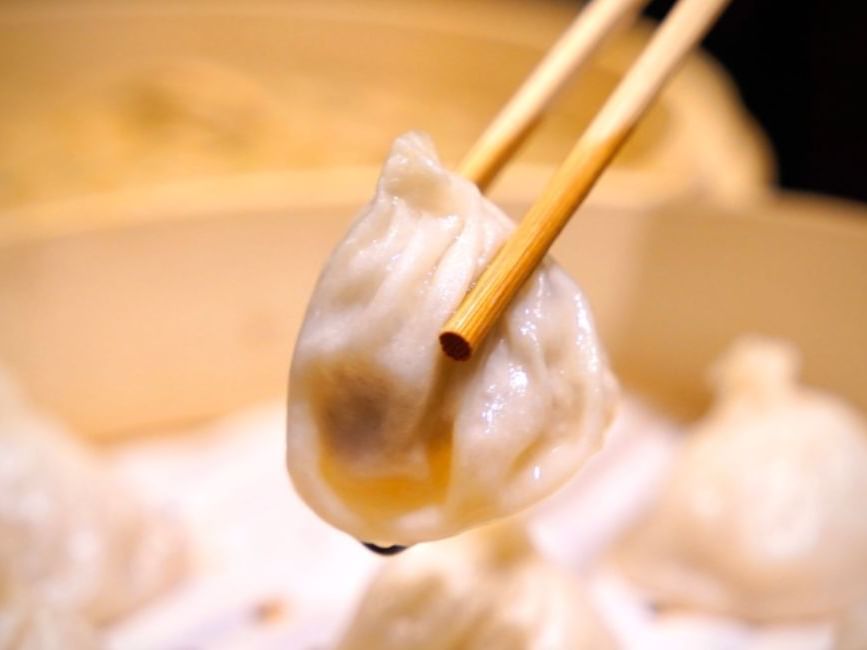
x,y
522,252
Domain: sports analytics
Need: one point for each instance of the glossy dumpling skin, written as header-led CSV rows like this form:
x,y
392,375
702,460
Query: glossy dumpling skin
x,y
764,515
392,442
485,589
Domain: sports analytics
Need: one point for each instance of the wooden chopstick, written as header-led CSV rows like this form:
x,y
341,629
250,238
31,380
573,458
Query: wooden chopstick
x,y
526,247
514,122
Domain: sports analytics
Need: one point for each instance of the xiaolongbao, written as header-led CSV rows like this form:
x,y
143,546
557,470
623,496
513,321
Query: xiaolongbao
x,y
484,589
71,541
850,629
28,625
764,516
395,444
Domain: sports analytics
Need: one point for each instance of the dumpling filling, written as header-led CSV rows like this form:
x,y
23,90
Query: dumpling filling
x,y
391,441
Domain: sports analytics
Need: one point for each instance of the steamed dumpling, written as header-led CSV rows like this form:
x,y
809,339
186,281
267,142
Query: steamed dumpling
x,y
764,516
850,630
485,589
389,440
72,541
28,625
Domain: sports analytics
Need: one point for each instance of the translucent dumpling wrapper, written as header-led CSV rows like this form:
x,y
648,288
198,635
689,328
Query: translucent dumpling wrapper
x,y
763,516
389,440
72,540
484,589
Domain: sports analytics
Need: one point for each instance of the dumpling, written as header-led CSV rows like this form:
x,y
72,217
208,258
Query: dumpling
x,y
850,630
72,541
763,517
36,626
485,589
395,444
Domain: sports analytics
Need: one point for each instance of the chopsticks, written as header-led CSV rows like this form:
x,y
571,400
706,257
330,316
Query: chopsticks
x,y
522,252
521,113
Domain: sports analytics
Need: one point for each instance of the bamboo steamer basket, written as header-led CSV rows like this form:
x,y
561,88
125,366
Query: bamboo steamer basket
x,y
100,97
134,302
204,321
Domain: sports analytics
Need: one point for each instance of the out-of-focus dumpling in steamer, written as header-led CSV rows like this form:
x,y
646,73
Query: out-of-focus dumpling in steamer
x,y
395,444
28,625
763,517
484,589
75,547
850,629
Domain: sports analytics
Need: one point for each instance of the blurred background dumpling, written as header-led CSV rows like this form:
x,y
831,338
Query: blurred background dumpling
x,y
389,440
485,589
850,629
29,625
71,538
763,515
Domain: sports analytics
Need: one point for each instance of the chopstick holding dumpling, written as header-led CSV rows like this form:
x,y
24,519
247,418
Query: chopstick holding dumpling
x,y
395,444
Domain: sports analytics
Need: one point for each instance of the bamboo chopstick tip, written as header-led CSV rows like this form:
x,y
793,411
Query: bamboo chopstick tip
x,y
455,346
